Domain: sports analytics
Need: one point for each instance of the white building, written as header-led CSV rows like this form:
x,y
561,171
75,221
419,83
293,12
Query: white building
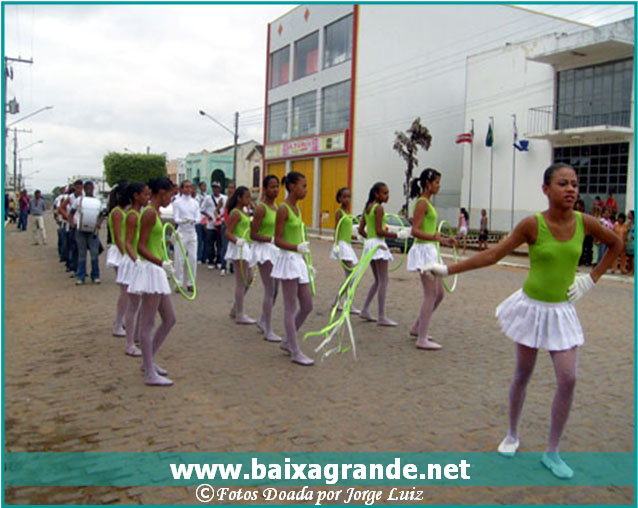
x,y
249,163
572,97
342,79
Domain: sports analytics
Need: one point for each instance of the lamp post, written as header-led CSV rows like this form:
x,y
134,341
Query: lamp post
x,y
235,136
15,158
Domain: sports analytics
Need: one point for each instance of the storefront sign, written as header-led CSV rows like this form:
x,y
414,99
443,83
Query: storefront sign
x,y
325,143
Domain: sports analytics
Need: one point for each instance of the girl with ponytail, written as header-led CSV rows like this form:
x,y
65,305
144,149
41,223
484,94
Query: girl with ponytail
x,y
372,227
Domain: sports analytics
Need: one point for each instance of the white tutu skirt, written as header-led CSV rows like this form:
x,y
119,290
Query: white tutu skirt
x,y
346,253
263,252
125,270
382,252
113,256
148,278
535,324
421,254
234,253
290,265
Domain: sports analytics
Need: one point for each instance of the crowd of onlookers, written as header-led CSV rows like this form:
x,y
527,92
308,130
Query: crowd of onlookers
x,y
33,206
622,224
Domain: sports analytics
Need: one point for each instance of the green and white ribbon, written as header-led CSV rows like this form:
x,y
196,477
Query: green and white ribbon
x,y
242,266
308,260
336,243
170,229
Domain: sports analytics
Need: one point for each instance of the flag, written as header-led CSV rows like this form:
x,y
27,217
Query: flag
x,y
465,137
489,139
522,145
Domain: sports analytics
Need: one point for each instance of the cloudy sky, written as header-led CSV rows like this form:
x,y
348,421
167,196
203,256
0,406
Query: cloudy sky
x,y
135,76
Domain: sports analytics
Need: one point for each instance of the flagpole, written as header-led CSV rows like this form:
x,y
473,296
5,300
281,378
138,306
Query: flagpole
x,y
491,170
513,173
469,205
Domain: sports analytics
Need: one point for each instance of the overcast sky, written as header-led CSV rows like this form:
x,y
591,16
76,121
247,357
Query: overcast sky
x,y
135,76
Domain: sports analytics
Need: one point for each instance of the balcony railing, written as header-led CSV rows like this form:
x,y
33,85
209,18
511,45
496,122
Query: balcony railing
x,y
573,115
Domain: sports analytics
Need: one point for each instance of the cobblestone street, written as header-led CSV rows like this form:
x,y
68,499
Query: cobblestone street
x,y
69,386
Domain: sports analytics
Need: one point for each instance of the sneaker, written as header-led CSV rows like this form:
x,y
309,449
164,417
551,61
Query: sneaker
x,y
96,281
79,282
211,267
222,273
219,266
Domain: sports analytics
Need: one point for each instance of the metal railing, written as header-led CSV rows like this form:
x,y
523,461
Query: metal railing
x,y
573,115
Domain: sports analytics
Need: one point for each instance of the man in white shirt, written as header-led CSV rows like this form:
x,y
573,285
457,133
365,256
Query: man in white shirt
x,y
186,215
200,227
212,208
65,210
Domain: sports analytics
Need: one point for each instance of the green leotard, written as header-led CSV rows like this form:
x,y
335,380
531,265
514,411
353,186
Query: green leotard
x,y
428,226
371,228
154,243
267,226
242,228
553,264
136,236
345,229
122,229
293,227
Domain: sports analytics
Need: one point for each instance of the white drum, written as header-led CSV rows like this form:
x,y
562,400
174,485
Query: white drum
x,y
88,214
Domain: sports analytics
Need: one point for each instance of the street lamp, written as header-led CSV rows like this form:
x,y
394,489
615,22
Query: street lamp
x,y
30,115
15,161
235,136
29,146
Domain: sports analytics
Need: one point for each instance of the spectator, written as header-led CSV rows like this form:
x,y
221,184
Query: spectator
x,y
36,208
75,193
200,227
87,240
630,243
6,206
606,222
24,210
611,202
13,216
483,233
597,208
588,241
620,228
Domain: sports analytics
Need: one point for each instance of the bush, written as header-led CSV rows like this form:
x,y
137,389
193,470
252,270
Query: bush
x,y
133,167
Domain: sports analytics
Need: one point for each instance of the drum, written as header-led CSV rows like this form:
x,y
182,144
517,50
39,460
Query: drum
x,y
89,212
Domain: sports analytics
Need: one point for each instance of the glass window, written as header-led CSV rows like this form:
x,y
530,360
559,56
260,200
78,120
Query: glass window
x,y
304,114
335,107
278,121
279,67
256,175
337,42
307,55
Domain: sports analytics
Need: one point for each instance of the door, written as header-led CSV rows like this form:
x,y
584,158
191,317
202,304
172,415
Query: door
x,y
279,170
306,168
334,176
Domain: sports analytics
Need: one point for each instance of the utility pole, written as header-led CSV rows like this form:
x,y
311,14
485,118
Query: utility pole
x,y
9,73
235,148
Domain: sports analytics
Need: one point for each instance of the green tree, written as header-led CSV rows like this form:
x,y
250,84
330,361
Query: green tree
x,y
407,145
133,167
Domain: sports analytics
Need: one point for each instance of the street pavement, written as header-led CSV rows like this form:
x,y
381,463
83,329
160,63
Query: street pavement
x,y
69,386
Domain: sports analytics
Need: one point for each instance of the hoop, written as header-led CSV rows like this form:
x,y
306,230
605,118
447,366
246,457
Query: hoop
x,y
445,224
173,232
336,244
405,245
308,259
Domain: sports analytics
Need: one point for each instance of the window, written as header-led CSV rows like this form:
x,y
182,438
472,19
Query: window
x,y
307,55
596,95
600,168
279,67
278,121
256,175
338,42
304,114
335,107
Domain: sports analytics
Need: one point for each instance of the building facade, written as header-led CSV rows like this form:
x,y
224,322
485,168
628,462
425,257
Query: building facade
x,y
176,170
570,96
342,79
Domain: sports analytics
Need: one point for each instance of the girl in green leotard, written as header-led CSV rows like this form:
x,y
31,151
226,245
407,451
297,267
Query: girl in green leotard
x,y
290,266
542,314
150,280
239,251
262,233
114,254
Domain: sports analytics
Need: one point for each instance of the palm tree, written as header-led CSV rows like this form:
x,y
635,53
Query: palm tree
x,y
407,145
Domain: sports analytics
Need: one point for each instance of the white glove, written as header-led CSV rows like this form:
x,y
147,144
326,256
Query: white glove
x,y
241,243
303,248
404,233
435,269
582,284
168,268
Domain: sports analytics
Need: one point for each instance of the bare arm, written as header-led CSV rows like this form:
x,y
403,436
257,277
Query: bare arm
x,y
524,232
260,213
606,236
338,215
378,224
148,221
131,226
117,227
362,225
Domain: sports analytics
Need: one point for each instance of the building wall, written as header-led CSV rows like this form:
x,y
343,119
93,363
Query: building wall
x,y
411,62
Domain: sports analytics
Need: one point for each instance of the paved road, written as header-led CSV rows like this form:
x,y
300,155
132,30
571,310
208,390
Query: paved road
x,y
69,386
